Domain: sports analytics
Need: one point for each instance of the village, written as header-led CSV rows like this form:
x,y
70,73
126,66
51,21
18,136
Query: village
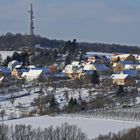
x,y
69,70
96,84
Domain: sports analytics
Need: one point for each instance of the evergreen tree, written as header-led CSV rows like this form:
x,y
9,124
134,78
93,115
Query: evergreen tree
x,y
16,56
73,105
24,58
83,105
70,105
95,78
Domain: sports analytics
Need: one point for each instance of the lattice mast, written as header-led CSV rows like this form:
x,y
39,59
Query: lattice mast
x,y
31,12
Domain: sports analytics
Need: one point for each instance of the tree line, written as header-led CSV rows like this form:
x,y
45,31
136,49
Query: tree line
x,y
23,132
63,132
10,41
128,134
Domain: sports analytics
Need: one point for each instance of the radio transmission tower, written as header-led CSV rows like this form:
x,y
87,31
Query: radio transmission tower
x,y
31,12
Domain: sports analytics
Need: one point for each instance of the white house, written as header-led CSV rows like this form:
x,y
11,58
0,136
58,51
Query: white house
x,y
33,74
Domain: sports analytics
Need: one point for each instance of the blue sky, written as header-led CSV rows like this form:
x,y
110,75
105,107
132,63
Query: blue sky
x,y
105,21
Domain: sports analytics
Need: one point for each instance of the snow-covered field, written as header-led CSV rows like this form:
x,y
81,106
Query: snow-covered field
x,y
91,126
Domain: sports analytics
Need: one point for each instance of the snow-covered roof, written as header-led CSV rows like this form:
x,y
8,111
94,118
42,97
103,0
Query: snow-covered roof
x,y
34,73
119,76
5,70
24,74
121,55
132,73
101,67
18,66
98,67
124,55
13,61
45,70
13,64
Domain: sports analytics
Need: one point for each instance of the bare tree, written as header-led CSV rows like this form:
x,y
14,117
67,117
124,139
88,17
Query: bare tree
x,y
22,132
66,95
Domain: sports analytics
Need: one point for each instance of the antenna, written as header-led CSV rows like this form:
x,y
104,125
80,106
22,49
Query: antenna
x,y
31,20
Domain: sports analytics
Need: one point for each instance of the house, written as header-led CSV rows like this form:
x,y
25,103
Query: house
x,y
122,79
122,57
52,69
138,67
33,74
124,65
72,70
13,64
17,72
